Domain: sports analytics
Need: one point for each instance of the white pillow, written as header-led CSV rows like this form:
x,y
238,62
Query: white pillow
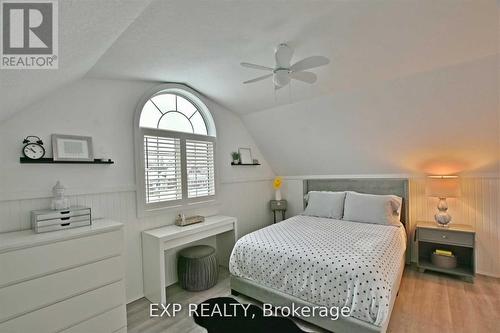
x,y
325,204
371,208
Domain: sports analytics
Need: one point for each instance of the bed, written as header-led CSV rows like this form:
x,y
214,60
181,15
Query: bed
x,y
314,261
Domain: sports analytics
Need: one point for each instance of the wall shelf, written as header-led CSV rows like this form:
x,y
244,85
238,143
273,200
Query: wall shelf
x,y
49,160
246,164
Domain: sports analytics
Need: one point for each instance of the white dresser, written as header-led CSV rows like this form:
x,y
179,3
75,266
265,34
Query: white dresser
x,y
63,281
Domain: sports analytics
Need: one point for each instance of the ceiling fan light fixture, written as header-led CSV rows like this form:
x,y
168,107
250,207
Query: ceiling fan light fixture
x,y
281,77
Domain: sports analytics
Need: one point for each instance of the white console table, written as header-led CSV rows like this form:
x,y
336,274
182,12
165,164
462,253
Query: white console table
x,y
156,241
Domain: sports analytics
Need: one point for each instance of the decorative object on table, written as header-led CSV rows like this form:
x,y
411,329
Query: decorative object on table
x,y
59,219
33,147
236,157
446,250
246,318
59,201
72,148
278,206
443,187
182,220
245,155
277,188
197,268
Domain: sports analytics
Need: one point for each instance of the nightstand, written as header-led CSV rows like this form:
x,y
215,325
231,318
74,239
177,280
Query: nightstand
x,y
278,206
457,238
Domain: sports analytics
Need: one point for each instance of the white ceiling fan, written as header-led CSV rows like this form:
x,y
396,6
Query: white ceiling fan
x,y
283,72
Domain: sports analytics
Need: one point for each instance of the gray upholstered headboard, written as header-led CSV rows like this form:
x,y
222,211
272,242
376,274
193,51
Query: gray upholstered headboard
x,y
394,186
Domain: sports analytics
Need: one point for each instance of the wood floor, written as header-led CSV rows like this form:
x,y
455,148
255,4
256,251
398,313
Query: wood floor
x,y
427,302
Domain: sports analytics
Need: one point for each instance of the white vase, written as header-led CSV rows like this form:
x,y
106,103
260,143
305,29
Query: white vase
x,y
277,195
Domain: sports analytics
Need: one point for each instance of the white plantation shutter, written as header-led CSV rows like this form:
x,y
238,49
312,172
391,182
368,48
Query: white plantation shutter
x,y
162,158
175,151
200,168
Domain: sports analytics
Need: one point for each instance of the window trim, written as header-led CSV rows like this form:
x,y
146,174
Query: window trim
x,y
144,209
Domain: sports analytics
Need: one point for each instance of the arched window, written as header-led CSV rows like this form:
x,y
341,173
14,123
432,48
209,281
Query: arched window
x,y
170,111
175,136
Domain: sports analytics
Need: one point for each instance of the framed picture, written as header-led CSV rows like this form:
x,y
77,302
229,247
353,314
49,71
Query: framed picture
x,y
245,155
72,148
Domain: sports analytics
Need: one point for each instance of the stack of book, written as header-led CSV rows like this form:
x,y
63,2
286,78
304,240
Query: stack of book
x,y
444,253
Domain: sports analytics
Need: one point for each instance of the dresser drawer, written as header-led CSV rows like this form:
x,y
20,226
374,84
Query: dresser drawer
x,y
109,322
56,287
446,237
32,262
70,312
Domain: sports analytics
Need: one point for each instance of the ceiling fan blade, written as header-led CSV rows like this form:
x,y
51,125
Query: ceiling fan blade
x,y
254,66
307,77
309,62
258,78
283,56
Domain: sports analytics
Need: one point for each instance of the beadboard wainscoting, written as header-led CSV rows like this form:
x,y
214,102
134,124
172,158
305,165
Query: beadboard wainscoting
x,y
104,109
477,206
246,200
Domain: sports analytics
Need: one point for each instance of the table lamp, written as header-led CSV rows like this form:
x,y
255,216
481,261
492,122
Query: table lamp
x,y
442,187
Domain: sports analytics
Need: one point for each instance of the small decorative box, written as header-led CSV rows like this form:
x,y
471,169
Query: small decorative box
x,y
52,220
182,221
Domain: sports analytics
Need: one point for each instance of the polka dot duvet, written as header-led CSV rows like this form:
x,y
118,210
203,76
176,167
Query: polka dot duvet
x,y
326,262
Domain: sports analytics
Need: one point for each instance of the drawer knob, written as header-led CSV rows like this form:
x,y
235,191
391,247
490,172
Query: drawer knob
x,y
444,236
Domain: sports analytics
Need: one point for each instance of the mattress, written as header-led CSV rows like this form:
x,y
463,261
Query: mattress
x,y
326,262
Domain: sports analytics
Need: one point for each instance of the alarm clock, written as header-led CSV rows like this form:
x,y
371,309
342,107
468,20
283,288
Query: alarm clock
x,y
33,148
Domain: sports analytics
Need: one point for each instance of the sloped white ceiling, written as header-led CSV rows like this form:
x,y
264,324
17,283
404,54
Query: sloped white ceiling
x,y
443,121
86,30
202,43
412,86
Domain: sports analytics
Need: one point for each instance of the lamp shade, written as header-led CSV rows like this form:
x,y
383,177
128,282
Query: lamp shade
x,y
442,186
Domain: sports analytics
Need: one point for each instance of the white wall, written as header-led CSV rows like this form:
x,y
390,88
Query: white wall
x,y
104,110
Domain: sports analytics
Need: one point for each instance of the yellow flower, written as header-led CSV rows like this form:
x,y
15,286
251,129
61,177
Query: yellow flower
x,y
277,182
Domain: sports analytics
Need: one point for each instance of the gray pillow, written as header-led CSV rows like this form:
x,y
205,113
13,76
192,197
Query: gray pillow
x,y
371,208
325,204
